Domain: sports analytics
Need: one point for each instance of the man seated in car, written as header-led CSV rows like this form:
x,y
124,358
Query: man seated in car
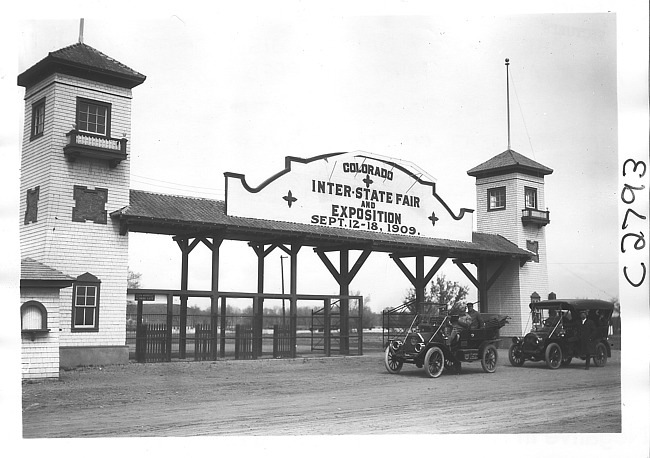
x,y
475,315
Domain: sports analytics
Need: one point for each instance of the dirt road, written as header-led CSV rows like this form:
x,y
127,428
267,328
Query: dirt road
x,y
321,396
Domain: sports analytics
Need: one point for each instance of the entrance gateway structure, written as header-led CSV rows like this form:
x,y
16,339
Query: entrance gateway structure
x,y
78,210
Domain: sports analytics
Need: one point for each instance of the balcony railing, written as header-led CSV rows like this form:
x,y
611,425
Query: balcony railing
x,y
84,144
533,216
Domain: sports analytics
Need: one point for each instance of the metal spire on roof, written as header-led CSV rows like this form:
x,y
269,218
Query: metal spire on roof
x,y
81,30
508,98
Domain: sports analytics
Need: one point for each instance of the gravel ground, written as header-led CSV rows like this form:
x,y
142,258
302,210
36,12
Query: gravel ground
x,y
352,395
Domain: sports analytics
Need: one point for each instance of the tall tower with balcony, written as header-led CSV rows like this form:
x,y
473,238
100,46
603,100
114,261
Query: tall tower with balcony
x,y
74,173
510,202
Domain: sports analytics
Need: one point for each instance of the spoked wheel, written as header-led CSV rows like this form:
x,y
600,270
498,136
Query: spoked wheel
x,y
566,361
489,360
553,355
393,365
434,362
600,359
516,355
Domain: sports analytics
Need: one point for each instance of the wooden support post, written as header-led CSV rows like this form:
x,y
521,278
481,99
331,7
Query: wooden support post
x,y
258,310
168,330
256,344
483,285
327,307
185,254
360,327
419,282
224,318
344,277
344,304
214,300
139,335
293,302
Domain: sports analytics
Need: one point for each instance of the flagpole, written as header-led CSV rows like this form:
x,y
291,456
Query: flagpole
x,y
81,30
508,98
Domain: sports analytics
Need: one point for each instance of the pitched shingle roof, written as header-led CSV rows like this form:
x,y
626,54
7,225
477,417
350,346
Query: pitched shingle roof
x,y
180,215
84,61
507,162
32,271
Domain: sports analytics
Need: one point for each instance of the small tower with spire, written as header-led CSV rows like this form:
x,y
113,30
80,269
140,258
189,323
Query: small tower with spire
x,y
74,173
510,202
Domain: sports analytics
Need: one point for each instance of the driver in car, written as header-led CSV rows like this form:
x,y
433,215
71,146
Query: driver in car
x,y
552,319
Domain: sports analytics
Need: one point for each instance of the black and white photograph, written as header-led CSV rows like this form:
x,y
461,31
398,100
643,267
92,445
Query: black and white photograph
x,y
315,229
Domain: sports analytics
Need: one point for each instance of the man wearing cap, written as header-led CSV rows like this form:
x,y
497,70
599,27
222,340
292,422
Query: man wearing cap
x,y
477,320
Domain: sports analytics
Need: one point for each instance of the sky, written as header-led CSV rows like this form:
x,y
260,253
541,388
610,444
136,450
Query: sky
x,y
237,89
240,93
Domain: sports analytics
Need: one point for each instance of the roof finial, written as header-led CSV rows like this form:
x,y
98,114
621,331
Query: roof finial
x,y
508,98
81,30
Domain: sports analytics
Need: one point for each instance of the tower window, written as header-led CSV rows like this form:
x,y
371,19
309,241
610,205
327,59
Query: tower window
x,y
496,198
31,205
533,245
93,117
38,119
85,303
530,197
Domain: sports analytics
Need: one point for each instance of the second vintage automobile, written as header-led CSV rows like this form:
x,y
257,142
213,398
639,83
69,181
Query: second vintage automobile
x,y
553,337
436,342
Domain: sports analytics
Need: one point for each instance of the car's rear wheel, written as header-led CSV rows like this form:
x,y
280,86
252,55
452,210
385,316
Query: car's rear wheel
x,y
566,361
516,355
600,359
392,363
553,355
434,362
489,359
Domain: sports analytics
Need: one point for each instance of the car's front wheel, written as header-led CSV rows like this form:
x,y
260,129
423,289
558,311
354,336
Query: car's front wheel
x,y
434,362
516,355
553,355
489,360
600,359
392,363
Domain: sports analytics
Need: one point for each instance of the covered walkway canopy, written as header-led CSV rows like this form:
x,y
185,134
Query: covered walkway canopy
x,y
196,220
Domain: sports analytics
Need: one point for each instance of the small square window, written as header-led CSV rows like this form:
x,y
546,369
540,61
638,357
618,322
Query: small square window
x,y
496,198
93,117
530,197
38,119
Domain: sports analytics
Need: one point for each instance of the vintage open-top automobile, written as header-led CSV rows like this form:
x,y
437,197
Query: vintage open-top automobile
x,y
554,338
431,342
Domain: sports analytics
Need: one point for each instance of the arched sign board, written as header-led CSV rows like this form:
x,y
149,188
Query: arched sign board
x,y
357,191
